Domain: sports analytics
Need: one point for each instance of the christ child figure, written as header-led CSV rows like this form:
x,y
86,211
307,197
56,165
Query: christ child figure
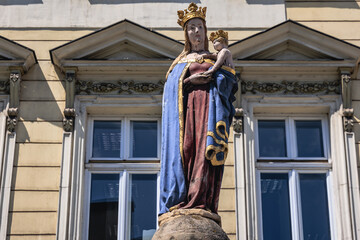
x,y
223,56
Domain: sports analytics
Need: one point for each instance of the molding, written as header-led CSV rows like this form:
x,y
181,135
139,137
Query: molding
x,y
64,191
6,178
353,178
290,87
121,87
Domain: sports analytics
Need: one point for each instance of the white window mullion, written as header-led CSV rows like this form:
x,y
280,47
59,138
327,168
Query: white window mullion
x,y
329,185
125,136
122,205
294,205
292,138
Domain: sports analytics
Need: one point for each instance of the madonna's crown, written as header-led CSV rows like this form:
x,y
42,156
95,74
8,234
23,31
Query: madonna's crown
x,y
218,34
193,11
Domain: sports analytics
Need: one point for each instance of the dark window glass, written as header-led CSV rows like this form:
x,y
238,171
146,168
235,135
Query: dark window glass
x,y
143,206
309,138
104,201
106,139
275,206
314,205
144,138
272,138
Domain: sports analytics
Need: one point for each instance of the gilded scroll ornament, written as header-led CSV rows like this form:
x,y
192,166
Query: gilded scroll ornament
x,y
291,87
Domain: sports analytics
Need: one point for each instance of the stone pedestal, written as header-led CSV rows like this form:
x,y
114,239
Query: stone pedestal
x,y
190,224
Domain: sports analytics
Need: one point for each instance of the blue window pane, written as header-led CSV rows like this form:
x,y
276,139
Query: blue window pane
x,y
272,139
314,205
144,139
143,205
106,139
275,206
309,138
104,207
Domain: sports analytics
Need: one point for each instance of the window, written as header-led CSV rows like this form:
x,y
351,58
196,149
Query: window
x,y
294,174
122,178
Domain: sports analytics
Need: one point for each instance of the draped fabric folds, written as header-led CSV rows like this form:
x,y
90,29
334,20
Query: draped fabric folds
x,y
173,189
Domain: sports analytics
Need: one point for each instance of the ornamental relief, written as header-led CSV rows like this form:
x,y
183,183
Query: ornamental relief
x,y
121,87
287,87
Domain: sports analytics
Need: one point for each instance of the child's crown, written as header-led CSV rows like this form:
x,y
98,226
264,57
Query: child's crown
x,y
218,34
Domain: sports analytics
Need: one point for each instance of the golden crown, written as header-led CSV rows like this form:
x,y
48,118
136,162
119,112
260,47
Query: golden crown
x,y
218,34
193,11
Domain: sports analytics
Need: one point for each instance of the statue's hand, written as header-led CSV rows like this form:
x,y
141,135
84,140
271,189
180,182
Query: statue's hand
x,y
208,73
197,79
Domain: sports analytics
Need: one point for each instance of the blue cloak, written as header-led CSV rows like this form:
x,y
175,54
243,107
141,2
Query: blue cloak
x,y
221,95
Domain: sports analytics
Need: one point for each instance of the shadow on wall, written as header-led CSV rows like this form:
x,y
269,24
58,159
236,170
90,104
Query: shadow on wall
x,y
351,4
20,2
140,1
265,2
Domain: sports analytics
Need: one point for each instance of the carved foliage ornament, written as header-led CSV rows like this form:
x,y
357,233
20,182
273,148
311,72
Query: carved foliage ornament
x,y
290,87
121,87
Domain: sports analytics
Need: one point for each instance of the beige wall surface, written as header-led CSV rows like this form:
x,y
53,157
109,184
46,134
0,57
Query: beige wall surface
x,y
100,13
35,184
34,199
336,18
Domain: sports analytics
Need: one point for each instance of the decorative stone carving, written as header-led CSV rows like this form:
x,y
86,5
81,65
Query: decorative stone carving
x,y
69,111
238,120
12,119
68,121
4,87
14,89
129,87
348,111
348,124
291,87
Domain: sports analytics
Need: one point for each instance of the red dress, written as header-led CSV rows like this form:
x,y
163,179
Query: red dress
x,y
202,178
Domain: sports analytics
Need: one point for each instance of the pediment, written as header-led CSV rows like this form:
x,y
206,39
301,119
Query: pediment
x,y
125,50
116,44
291,41
14,55
290,51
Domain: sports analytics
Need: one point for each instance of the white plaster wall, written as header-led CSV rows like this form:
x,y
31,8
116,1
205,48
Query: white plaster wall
x,y
149,13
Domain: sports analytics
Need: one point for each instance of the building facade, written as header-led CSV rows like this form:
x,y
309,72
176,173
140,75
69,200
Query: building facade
x,y
81,93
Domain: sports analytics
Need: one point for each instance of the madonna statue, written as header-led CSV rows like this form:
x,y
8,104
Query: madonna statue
x,y
196,116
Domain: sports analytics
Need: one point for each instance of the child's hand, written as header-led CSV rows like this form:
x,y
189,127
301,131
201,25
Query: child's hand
x,y
199,59
208,73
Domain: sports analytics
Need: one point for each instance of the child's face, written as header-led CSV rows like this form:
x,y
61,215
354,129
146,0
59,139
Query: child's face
x,y
218,45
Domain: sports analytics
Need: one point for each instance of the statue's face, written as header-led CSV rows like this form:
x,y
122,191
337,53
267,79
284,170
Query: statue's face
x,y
196,32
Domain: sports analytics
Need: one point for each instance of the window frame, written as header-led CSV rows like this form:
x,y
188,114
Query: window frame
x,y
291,139
295,199
126,130
124,194
124,166
309,165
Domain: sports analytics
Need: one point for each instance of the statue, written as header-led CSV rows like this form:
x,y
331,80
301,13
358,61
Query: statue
x,y
196,117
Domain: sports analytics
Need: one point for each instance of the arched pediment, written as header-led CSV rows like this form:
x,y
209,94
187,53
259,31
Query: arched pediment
x,y
113,47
